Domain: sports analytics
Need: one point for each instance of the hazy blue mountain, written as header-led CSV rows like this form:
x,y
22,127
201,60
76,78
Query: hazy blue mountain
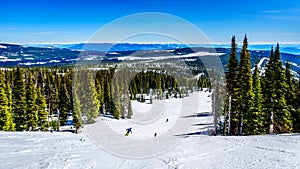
x,y
68,54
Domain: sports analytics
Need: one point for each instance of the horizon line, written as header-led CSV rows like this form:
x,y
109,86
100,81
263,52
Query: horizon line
x,y
163,43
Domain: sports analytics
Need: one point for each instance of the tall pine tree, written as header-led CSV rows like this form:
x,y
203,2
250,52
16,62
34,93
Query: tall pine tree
x,y
89,102
259,118
41,110
231,82
282,116
6,120
19,100
274,85
245,91
31,108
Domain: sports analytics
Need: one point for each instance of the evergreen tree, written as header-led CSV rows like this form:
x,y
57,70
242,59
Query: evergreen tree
x,y
259,117
116,99
64,101
291,97
107,94
268,89
89,102
31,108
231,83
19,100
41,110
282,116
6,121
100,90
8,90
76,113
274,84
297,106
124,99
245,99
51,91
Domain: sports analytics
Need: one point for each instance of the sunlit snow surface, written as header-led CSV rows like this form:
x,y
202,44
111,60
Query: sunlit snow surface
x,y
196,150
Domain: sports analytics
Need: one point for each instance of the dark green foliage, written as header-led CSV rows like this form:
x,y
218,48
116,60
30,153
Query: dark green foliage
x,y
144,81
259,103
88,98
51,91
6,120
245,96
8,76
64,100
259,117
19,100
76,113
203,82
232,88
232,66
31,108
116,109
291,97
297,106
274,84
41,111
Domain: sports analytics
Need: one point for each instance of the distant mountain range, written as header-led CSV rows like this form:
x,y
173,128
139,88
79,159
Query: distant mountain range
x,y
285,48
68,54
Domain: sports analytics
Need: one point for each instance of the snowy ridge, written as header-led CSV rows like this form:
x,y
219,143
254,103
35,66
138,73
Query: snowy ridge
x,y
191,55
263,61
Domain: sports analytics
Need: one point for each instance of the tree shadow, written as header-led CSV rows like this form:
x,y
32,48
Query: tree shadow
x,y
203,124
202,114
192,134
202,128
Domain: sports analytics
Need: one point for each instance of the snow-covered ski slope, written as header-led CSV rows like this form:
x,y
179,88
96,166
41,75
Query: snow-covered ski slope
x,y
191,149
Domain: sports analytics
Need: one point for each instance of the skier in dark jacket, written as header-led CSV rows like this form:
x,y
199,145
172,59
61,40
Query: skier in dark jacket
x,y
128,131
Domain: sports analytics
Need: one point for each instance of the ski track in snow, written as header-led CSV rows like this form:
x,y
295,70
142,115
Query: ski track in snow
x,y
31,150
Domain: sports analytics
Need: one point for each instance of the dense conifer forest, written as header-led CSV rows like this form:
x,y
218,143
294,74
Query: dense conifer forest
x,y
32,97
246,102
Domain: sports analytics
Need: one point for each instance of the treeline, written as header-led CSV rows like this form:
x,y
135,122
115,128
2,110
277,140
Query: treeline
x,y
262,101
164,85
30,98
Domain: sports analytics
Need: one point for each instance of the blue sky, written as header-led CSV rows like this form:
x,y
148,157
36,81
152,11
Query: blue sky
x,y
33,21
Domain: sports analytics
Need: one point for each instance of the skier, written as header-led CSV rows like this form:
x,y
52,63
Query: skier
x,y
128,131
155,134
167,120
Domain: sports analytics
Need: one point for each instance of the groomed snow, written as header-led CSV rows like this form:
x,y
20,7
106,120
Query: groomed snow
x,y
195,150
